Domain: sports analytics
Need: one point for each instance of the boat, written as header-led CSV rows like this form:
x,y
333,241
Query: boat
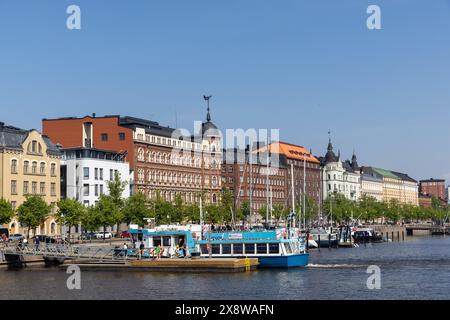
x,y
278,248
324,237
366,235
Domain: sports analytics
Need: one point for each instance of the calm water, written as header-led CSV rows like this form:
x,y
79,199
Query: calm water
x,y
415,269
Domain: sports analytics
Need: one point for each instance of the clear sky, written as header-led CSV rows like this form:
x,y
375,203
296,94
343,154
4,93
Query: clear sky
x,y
301,66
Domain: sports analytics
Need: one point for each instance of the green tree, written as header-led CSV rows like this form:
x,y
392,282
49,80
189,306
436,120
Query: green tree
x,y
108,211
91,219
33,212
116,188
69,213
6,212
244,211
136,210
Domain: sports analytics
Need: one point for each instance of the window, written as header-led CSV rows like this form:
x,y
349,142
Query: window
x,y
166,241
101,174
53,189
34,167
96,174
25,187
85,190
226,249
13,186
14,166
26,166
42,188
261,248
86,203
42,168
34,187
111,174
96,190
249,248
237,248
104,137
53,169
86,173
274,248
14,206
121,136
101,189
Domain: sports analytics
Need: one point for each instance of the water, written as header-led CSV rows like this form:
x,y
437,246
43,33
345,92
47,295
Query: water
x,y
415,269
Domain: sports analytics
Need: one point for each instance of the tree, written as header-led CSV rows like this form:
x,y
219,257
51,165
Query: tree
x,y
136,210
91,220
116,188
108,211
244,211
178,210
226,206
280,212
69,213
6,212
33,212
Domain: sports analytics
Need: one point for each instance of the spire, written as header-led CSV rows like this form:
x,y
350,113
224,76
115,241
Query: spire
x,y
330,146
208,115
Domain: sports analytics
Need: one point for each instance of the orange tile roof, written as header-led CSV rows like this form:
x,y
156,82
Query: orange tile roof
x,y
291,151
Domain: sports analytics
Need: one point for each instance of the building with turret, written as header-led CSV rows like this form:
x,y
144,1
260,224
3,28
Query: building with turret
x,y
340,176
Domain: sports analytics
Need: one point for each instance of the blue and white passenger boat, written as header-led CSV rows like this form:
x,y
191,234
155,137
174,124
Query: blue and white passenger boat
x,y
279,248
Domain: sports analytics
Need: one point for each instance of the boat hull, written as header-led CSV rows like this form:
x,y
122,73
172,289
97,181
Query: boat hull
x,y
290,261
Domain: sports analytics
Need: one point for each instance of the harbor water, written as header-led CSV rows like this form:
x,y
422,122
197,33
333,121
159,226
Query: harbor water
x,y
418,268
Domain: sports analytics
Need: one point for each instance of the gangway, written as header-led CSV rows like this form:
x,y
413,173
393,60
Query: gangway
x,y
68,252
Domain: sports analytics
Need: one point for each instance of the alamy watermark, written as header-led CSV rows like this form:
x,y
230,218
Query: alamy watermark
x,y
74,280
374,280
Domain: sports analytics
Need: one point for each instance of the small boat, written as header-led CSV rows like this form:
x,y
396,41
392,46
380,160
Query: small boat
x,y
324,237
366,235
278,248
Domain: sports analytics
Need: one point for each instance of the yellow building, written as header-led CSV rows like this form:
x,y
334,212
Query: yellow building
x,y
29,165
396,185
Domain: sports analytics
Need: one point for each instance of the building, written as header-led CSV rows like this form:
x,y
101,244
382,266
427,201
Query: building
x,y
338,176
433,187
371,185
85,173
162,158
298,161
248,180
396,185
30,165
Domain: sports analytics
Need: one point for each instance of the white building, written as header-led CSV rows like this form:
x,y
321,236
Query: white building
x,y
340,177
86,172
372,185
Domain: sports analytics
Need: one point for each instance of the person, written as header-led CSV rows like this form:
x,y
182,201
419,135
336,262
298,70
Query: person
x,y
158,252
25,242
141,250
36,243
181,246
125,247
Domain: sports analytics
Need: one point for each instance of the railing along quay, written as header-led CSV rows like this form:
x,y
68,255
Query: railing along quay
x,y
66,252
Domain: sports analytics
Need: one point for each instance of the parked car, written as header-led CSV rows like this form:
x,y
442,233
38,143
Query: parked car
x,y
88,236
16,237
44,239
124,234
103,235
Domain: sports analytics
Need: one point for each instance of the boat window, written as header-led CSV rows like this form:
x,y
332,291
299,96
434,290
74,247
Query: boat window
x,y
203,248
274,248
237,248
287,246
216,248
156,241
261,248
226,249
166,241
249,248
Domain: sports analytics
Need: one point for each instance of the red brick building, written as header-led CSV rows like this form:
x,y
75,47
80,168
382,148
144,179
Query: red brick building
x,y
162,159
242,176
433,187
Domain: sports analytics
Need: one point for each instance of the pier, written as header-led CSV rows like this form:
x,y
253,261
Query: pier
x,y
108,258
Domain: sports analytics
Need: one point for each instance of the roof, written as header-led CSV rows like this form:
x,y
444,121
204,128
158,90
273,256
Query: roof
x,y
389,174
13,138
290,151
432,180
242,156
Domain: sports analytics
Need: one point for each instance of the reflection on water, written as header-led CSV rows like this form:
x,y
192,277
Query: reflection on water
x,y
415,269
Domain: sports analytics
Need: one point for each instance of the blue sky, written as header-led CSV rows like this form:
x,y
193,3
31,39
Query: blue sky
x,y
301,66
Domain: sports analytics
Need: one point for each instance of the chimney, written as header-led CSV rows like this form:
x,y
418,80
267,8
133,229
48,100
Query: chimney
x,y
93,115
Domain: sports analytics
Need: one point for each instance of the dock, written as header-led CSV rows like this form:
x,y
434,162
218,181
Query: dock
x,y
172,265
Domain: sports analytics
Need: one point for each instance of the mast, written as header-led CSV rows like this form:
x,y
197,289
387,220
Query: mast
x,y
251,184
267,183
292,188
304,190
